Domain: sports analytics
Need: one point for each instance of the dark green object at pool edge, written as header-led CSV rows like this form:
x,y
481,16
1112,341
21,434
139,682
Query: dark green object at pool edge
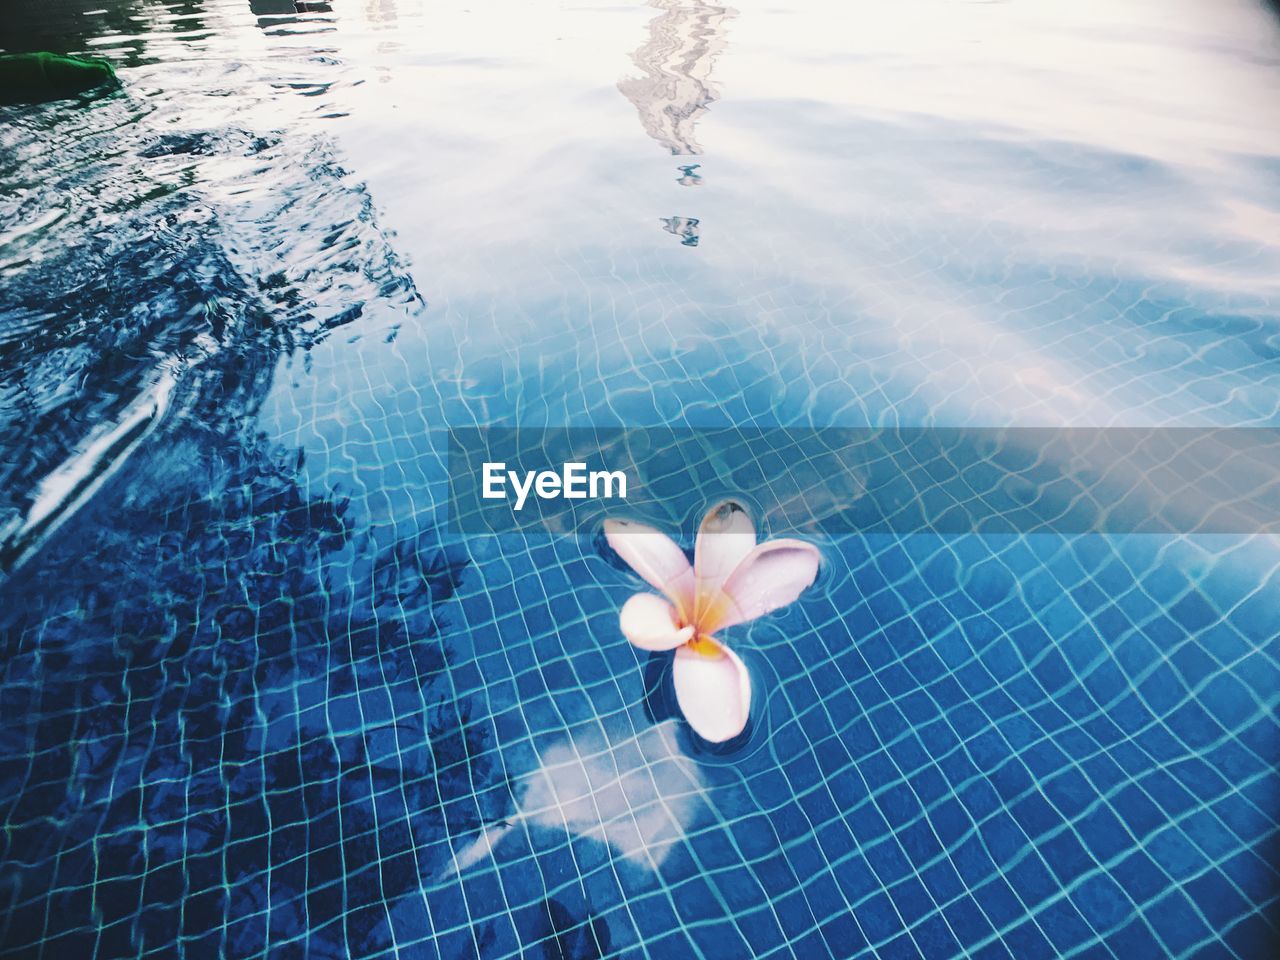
x,y
41,77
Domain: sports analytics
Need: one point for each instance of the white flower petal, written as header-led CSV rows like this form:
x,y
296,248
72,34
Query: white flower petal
x,y
773,575
725,538
713,689
657,558
649,622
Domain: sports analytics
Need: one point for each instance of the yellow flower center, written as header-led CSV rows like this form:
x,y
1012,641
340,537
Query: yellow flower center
x,y
704,646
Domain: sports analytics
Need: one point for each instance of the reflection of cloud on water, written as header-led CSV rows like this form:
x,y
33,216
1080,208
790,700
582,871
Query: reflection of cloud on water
x,y
676,88
638,795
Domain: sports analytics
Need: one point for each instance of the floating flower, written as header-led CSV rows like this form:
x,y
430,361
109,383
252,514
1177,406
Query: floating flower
x,y
732,580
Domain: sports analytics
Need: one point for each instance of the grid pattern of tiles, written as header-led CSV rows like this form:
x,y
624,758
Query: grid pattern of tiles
x,y
243,720
258,703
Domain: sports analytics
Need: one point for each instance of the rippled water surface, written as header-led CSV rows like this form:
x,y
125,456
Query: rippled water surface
x,y
257,699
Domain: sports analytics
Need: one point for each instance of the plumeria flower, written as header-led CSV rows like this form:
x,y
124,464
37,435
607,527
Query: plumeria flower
x,y
732,580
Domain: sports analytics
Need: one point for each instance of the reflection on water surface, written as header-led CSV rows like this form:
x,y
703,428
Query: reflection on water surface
x,y
676,61
258,700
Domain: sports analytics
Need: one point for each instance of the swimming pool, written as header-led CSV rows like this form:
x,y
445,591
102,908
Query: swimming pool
x,y
260,698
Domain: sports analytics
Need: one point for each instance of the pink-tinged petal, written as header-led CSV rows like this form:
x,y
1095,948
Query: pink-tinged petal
x,y
657,558
725,538
649,622
713,689
773,575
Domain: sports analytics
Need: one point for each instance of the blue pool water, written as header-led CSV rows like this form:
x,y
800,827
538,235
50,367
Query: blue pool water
x,y
258,699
